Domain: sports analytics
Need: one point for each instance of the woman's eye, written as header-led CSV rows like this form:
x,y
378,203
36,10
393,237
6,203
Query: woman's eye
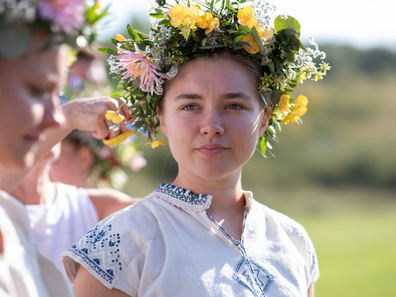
x,y
235,106
39,93
189,107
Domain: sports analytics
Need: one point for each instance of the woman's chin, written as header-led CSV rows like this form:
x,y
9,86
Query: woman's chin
x,y
17,161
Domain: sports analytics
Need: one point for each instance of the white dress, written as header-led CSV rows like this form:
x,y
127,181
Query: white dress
x,y
166,244
24,271
56,227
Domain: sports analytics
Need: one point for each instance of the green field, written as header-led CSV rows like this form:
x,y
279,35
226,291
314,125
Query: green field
x,y
356,253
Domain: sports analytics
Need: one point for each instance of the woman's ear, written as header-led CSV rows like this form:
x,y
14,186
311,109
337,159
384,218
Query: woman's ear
x,y
162,121
266,114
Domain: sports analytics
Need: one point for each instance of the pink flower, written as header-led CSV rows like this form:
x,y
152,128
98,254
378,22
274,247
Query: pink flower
x,y
69,15
133,65
137,162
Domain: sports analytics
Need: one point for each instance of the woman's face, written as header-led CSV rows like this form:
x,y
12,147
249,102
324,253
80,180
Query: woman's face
x,y
28,101
212,117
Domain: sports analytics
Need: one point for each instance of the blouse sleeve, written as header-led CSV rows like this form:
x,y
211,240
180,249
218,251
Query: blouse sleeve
x,y
304,245
107,250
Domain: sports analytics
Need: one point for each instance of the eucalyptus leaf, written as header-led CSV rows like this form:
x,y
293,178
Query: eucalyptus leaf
x,y
275,96
289,23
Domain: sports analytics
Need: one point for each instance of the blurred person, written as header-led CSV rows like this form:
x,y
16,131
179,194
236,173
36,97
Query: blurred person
x,y
87,162
87,75
30,72
60,214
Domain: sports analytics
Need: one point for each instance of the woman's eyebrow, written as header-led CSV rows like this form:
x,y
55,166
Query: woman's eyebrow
x,y
236,95
188,96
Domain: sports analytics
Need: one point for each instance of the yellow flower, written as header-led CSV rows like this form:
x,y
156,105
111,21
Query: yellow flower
x,y
291,117
207,22
246,17
284,103
300,107
120,38
155,143
253,47
114,116
265,34
179,12
118,139
184,18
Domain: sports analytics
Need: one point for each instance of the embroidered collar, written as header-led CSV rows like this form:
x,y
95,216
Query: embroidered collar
x,y
188,200
183,198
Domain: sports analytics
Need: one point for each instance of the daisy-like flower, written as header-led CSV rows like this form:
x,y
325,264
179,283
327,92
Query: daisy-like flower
x,y
69,15
133,65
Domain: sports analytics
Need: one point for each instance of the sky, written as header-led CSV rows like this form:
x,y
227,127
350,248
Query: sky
x,y
361,24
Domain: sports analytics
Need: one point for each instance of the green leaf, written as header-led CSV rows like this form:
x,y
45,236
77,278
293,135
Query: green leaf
x,y
212,46
116,95
289,23
131,32
275,97
107,51
157,15
257,39
263,145
115,41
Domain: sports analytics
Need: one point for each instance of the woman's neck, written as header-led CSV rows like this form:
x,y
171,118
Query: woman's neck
x,y
36,187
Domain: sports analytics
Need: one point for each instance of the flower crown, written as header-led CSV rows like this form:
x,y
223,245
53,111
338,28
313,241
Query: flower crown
x,y
191,29
70,21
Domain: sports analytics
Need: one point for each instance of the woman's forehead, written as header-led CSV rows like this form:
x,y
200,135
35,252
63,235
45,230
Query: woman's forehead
x,y
223,75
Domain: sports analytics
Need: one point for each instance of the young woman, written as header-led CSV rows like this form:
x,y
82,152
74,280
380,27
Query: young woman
x,y
216,81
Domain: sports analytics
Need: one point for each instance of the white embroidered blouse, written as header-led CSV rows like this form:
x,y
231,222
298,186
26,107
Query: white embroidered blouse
x,y
168,245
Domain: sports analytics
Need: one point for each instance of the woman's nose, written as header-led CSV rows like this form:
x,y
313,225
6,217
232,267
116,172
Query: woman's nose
x,y
53,114
212,124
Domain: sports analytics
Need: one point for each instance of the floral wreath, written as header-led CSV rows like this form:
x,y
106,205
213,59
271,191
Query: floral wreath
x,y
191,29
69,21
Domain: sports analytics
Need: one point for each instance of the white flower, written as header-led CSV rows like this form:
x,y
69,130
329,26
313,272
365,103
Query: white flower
x,y
283,16
323,55
292,74
172,72
316,54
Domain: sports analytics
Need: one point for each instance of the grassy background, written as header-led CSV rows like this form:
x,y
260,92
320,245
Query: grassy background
x,y
335,174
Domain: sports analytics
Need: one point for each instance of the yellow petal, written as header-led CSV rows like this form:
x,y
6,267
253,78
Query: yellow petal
x,y
267,34
118,139
253,47
110,114
155,143
118,119
120,38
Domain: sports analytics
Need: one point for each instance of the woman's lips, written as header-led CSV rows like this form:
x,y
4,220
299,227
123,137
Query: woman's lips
x,y
212,149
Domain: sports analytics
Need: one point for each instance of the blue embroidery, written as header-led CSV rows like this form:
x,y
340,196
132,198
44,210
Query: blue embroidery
x,y
261,276
182,194
99,250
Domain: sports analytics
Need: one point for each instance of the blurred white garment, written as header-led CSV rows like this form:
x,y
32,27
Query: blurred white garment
x,y
24,271
56,227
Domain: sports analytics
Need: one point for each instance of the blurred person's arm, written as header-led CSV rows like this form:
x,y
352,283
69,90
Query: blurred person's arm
x,y
83,114
311,291
108,201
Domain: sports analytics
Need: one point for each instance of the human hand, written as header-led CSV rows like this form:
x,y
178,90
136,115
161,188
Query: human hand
x,y
89,114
